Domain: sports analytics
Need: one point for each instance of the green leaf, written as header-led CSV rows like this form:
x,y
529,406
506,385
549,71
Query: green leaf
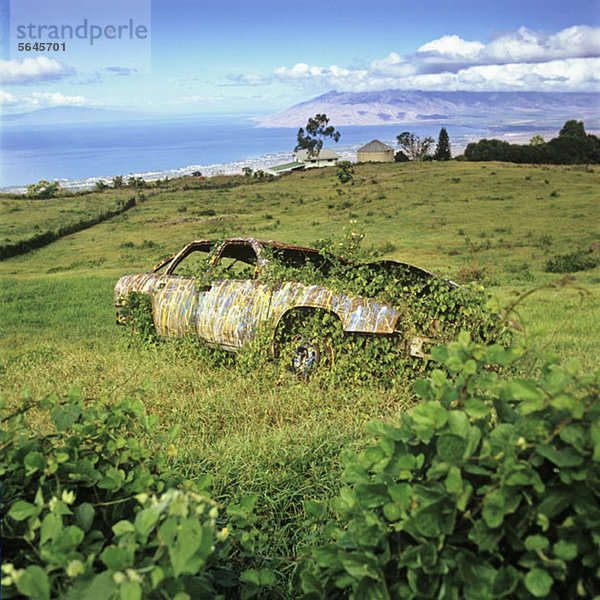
x,y
355,474
262,577
458,423
536,542
360,564
250,576
34,583
525,390
454,482
393,511
565,550
22,510
34,461
595,435
477,408
51,526
450,448
505,582
130,590
84,516
429,415
377,427
493,509
145,520
326,556
566,457
538,582
117,559
65,415
184,546
372,495
122,527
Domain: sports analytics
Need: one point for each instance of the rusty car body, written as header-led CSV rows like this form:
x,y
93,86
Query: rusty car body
x,y
230,310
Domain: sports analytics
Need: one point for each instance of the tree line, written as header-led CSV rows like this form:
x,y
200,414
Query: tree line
x,y
572,146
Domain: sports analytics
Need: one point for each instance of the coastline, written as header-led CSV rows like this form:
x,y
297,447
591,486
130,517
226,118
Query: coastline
x,y
208,170
264,161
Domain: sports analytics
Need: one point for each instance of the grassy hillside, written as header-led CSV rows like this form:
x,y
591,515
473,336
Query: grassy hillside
x,y
253,427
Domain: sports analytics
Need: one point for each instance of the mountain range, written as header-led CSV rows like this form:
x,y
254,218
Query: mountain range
x,y
505,111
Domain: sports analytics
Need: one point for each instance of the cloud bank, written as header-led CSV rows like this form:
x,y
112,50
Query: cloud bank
x,y
522,60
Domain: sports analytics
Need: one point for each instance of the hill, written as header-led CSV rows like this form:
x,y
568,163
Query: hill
x,y
498,111
251,426
70,114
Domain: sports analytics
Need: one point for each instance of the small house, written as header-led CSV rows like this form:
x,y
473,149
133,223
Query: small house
x,y
375,151
323,158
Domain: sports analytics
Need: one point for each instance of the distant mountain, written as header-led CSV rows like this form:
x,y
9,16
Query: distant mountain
x,y
503,110
70,114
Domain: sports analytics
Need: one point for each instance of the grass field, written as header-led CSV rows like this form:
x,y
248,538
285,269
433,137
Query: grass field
x,y
256,429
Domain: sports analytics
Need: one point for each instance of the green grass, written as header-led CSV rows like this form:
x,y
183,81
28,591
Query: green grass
x,y
21,218
258,430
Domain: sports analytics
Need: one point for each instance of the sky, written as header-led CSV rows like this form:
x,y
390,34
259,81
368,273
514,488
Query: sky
x,y
252,57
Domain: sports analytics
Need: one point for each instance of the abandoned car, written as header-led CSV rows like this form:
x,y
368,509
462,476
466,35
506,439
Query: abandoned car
x,y
226,294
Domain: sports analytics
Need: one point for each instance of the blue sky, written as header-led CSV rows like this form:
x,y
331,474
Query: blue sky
x,y
260,56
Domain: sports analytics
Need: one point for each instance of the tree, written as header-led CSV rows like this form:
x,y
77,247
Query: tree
x,y
100,186
43,189
117,181
414,147
536,140
345,172
442,150
317,129
573,128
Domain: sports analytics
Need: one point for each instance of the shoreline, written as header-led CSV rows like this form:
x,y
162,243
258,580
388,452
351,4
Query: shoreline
x,y
263,162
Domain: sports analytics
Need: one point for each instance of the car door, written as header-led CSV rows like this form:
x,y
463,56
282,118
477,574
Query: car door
x,y
237,304
180,292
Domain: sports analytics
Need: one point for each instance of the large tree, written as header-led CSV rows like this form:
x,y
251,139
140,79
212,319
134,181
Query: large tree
x,y
442,150
414,147
317,129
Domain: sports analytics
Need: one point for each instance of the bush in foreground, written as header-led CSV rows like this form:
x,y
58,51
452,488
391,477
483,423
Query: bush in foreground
x,y
487,489
90,511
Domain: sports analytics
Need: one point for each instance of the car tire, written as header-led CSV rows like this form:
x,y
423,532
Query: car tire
x,y
307,342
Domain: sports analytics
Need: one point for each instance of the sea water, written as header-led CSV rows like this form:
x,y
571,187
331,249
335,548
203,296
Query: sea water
x,y
78,154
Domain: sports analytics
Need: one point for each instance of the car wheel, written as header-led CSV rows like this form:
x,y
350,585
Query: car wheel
x,y
307,343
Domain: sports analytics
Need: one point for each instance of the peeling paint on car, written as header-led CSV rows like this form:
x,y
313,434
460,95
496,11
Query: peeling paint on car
x,y
231,312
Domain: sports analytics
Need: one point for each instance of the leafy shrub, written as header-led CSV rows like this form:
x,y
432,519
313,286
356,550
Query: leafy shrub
x,y
90,510
571,262
489,488
43,189
345,171
136,312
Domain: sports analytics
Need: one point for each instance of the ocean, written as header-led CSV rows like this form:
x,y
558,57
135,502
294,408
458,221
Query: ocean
x,y
78,154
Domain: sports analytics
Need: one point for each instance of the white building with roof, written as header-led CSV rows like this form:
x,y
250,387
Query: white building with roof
x,y
324,158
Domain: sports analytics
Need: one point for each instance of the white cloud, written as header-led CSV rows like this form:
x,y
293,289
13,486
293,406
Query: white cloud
x,y
519,60
6,98
452,45
30,70
48,99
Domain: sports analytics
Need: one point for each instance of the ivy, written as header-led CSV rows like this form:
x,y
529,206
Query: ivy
x,y
90,510
489,488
